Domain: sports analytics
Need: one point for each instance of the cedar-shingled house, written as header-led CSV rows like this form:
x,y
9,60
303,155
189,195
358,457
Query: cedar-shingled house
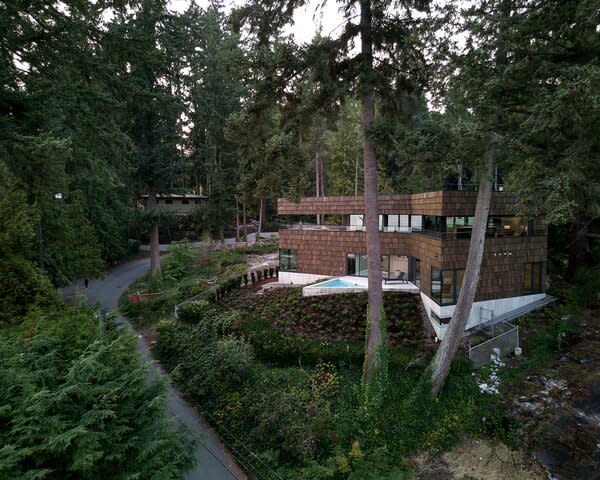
x,y
424,245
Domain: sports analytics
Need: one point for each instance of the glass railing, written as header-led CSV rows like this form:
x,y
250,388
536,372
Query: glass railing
x,y
345,228
453,235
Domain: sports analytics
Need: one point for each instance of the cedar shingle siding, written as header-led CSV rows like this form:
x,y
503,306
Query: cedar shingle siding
x,y
324,252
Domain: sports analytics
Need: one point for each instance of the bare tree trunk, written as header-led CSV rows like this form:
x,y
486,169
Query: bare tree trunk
x,y
445,355
154,242
356,176
261,217
317,182
322,173
579,246
237,221
245,223
374,331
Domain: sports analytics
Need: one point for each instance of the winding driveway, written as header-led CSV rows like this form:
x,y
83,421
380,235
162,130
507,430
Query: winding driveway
x,y
213,461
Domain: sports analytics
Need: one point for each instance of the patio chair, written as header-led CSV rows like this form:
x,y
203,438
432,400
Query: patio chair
x,y
400,278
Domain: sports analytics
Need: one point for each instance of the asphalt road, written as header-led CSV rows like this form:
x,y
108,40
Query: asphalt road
x,y
213,461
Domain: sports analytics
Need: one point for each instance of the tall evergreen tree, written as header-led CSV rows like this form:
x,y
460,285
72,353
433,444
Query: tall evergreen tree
x,y
154,107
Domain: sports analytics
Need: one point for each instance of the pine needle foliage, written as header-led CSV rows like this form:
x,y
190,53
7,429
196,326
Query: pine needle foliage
x,y
75,406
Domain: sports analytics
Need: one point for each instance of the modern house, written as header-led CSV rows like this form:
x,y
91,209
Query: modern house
x,y
424,244
174,203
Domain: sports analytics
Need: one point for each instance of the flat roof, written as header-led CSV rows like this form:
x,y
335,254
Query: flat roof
x,y
176,195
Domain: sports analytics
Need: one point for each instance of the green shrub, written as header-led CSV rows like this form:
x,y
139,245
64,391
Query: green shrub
x,y
214,323
232,359
78,406
192,312
23,288
181,256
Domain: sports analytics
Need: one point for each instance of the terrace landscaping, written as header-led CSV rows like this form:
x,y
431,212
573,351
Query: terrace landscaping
x,y
278,376
332,317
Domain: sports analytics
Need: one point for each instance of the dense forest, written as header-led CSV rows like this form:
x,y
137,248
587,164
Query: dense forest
x,y
103,101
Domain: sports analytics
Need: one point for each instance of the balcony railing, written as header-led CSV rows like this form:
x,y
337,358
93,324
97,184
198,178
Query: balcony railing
x,y
345,228
457,235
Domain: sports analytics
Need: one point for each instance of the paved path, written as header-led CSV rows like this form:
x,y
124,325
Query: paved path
x,y
213,462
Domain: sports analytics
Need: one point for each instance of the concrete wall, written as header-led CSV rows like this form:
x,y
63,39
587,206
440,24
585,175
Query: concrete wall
x,y
499,306
295,278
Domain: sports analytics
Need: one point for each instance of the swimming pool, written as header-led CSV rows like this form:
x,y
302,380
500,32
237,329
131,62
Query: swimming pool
x,y
337,283
334,285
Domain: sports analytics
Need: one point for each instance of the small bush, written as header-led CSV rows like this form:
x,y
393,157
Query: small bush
x,y
232,359
177,263
192,312
215,323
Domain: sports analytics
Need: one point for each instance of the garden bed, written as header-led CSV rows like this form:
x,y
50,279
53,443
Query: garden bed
x,y
340,317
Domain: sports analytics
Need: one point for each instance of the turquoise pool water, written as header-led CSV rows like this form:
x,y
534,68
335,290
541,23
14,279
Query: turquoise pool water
x,y
336,283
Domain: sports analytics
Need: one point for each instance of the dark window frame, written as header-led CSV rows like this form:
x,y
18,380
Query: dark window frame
x,y
290,264
531,290
438,298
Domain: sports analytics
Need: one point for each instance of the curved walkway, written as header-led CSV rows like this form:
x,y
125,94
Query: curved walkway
x,y
213,461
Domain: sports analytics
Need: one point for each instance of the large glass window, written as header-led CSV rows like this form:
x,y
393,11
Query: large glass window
x,y
395,223
436,284
434,225
398,267
508,227
462,226
416,223
356,264
391,223
351,264
459,227
533,277
445,285
391,266
288,260
417,272
357,222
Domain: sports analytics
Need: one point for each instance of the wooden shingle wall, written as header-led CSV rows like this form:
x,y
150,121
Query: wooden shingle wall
x,y
429,203
324,252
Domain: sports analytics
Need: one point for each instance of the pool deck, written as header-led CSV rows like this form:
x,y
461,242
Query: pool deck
x,y
361,284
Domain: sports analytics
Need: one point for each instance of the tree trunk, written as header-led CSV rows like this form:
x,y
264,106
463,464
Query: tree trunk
x,y
237,221
579,247
154,242
261,217
356,176
318,190
443,358
375,292
244,222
